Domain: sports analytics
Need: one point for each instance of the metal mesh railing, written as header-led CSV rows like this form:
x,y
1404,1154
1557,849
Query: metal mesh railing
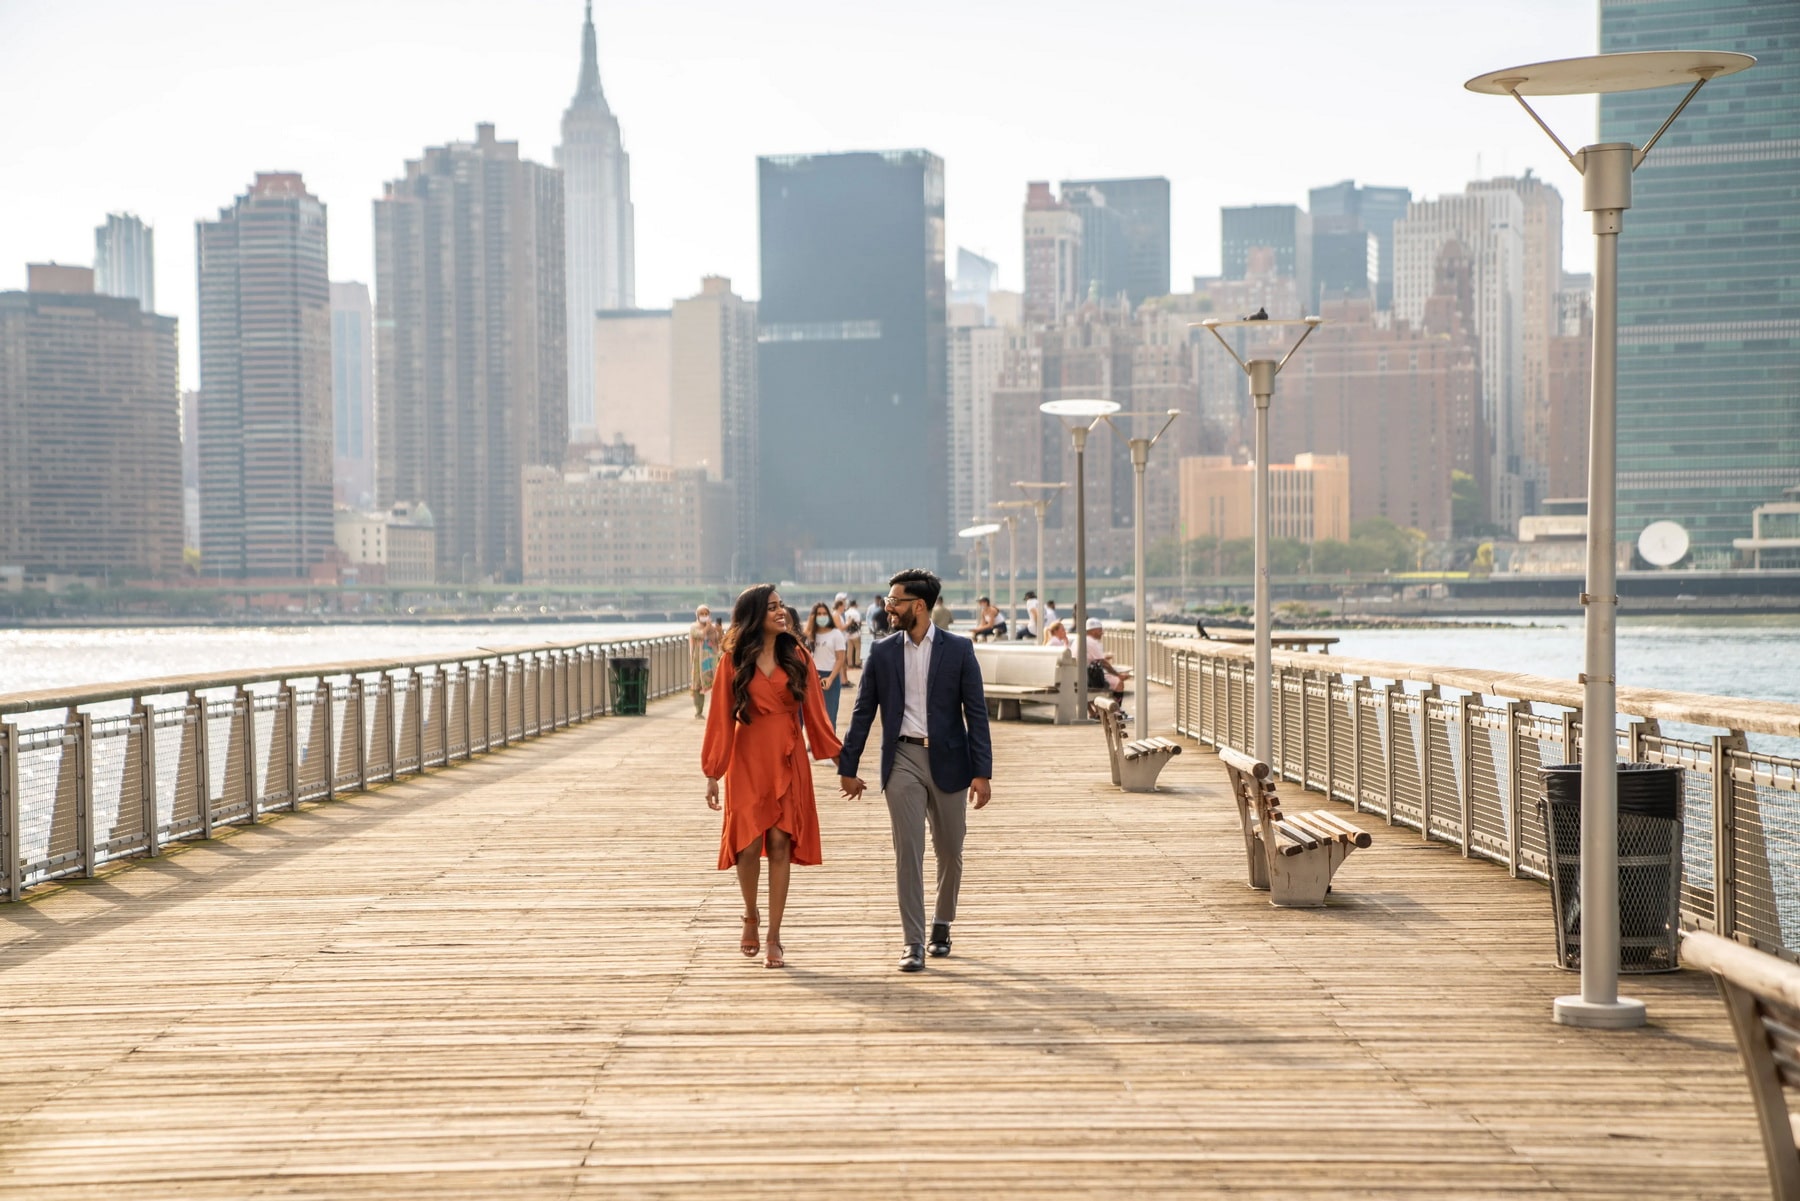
x,y
1464,768
80,788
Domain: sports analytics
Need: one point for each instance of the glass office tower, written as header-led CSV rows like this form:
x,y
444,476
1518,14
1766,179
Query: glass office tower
x,y
851,362
1709,274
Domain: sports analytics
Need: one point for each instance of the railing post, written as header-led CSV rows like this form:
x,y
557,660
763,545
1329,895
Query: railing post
x,y
1724,833
484,685
147,773
1425,761
1571,732
1357,684
288,712
1466,782
12,878
1387,739
84,789
466,694
505,704
247,699
1515,788
385,718
1303,678
421,714
325,709
359,697
203,762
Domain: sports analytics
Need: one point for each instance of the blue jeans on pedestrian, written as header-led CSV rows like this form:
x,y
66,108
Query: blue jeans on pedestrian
x,y
831,695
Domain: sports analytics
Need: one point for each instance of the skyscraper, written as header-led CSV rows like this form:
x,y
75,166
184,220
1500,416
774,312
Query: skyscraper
x,y
472,361
265,385
851,355
1105,257
1488,227
600,264
90,442
1284,228
1142,269
125,260
1344,217
714,402
1541,276
1054,282
352,394
1709,274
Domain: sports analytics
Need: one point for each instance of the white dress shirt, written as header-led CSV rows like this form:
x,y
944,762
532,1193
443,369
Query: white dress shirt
x,y
918,668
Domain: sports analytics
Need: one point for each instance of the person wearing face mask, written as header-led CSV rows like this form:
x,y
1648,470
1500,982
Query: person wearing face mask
x,y
831,654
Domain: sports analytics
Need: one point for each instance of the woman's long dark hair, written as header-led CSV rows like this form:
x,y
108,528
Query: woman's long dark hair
x,y
744,642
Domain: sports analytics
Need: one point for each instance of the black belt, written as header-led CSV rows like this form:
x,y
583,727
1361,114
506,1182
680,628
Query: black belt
x,y
915,741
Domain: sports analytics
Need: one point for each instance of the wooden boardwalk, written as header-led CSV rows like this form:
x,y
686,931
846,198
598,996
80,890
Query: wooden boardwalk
x,y
520,978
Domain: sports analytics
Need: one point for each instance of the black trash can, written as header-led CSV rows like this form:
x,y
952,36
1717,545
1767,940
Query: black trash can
x,y
630,686
1649,863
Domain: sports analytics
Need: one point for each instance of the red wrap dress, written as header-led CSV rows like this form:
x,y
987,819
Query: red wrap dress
x,y
768,782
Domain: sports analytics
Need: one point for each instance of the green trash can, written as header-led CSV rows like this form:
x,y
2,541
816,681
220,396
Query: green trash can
x,y
630,686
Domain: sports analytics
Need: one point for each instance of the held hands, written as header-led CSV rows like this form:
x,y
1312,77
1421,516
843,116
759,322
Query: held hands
x,y
851,786
982,790
712,794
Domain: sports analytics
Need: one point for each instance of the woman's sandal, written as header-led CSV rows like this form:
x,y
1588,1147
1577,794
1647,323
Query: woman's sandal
x,y
775,958
750,944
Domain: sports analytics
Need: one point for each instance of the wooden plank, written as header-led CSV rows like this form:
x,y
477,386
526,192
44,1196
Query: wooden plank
x,y
520,978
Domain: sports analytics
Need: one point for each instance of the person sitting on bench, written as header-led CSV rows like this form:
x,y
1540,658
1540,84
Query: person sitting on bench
x,y
989,621
1102,674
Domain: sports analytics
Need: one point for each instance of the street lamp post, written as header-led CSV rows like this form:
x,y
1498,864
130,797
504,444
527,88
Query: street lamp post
x,y
1041,502
1262,373
1079,417
1605,169
1140,654
1011,518
975,534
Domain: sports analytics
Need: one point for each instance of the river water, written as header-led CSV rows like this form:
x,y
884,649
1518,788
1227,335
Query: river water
x,y
1749,657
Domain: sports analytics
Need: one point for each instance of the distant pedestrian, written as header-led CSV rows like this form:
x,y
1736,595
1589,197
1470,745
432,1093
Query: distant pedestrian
x,y
1051,617
1032,627
853,627
878,618
941,616
831,658
703,657
989,621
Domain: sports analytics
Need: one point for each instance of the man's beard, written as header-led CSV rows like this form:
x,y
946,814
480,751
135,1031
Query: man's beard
x,y
903,620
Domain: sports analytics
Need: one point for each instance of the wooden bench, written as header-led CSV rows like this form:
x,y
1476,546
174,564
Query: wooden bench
x,y
1016,676
1292,855
1135,765
1762,995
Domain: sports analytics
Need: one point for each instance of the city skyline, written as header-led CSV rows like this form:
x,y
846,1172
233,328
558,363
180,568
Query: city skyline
x,y
707,97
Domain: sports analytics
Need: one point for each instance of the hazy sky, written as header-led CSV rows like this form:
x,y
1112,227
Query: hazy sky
x,y
166,108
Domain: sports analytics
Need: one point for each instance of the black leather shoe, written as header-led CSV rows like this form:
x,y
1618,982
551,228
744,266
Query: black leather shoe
x,y
913,958
940,940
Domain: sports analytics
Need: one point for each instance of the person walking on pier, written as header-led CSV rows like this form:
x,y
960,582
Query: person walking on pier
x,y
766,706
935,752
703,656
829,647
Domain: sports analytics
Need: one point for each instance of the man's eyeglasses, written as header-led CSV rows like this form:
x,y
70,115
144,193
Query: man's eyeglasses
x,y
900,600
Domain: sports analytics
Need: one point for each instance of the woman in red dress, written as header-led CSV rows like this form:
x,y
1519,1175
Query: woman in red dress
x,y
764,691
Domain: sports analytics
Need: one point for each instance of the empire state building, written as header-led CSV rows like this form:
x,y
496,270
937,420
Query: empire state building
x,y
597,220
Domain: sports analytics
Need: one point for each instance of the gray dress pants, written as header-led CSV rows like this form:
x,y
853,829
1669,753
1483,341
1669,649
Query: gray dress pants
x,y
913,801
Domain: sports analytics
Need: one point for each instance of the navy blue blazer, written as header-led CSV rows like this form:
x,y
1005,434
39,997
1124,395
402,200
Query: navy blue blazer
x,y
956,718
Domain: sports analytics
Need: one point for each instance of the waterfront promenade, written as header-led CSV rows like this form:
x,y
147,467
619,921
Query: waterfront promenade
x,y
520,978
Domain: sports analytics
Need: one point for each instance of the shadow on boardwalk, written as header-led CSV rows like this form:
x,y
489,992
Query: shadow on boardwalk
x,y
520,978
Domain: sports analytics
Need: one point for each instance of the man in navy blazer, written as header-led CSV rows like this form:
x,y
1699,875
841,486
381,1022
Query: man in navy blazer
x,y
935,752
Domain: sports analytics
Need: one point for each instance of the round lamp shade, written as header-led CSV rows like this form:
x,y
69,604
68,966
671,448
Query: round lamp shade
x,y
1600,73
1079,408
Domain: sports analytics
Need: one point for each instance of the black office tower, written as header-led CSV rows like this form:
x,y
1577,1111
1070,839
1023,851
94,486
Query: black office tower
x,y
851,363
1142,271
